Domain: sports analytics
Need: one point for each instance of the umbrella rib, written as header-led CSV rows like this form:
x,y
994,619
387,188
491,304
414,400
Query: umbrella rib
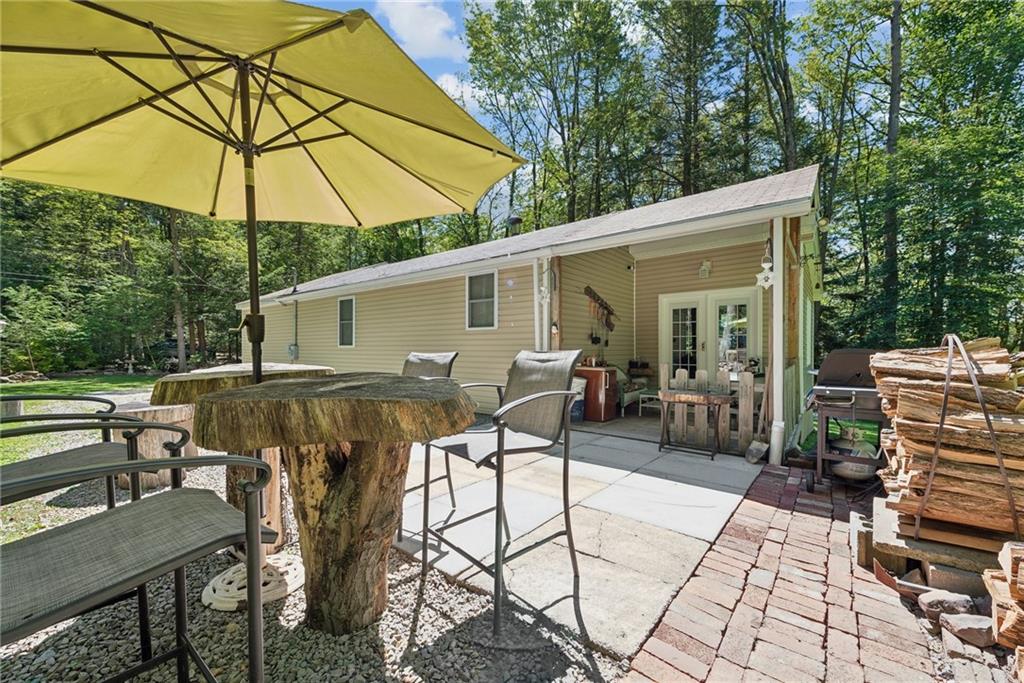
x,y
224,151
263,93
152,88
181,65
401,166
124,54
401,117
292,42
146,25
305,122
108,117
307,141
219,138
309,154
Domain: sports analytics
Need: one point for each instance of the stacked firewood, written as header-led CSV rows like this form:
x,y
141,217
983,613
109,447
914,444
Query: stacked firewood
x,y
968,503
1006,588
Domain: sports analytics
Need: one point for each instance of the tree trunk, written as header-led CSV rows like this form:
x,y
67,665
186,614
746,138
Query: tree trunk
x,y
179,319
890,238
272,500
347,498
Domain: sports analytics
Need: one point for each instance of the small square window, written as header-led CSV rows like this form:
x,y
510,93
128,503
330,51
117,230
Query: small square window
x,y
347,322
482,301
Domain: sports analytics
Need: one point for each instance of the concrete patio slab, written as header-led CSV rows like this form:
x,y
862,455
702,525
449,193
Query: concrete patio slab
x,y
686,508
526,511
725,473
629,572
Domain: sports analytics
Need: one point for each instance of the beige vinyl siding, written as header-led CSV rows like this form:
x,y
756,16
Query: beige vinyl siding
x,y
607,273
428,317
732,266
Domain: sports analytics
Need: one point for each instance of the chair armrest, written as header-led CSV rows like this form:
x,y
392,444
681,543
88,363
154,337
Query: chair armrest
x,y
41,483
53,417
132,429
499,414
499,387
111,406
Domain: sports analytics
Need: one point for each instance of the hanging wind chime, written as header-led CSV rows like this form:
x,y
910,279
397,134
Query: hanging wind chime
x,y
766,278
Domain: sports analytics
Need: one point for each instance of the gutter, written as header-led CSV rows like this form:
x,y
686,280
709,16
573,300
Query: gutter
x,y
625,238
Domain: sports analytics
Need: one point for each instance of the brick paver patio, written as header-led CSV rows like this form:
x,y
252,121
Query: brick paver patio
x,y
778,598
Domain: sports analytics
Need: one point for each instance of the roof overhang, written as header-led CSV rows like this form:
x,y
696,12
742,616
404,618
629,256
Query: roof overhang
x,y
652,233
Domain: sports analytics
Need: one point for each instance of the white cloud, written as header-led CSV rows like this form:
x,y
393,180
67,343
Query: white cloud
x,y
423,28
459,90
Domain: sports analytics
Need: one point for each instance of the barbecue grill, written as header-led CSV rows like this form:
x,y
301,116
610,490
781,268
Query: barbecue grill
x,y
845,390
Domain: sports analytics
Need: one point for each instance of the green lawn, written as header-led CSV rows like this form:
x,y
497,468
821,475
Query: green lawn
x,y
16,448
91,384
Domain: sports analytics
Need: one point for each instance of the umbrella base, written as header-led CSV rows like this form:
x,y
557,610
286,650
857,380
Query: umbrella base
x,y
282,575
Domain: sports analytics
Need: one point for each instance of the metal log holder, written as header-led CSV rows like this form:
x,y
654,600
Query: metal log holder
x,y
953,343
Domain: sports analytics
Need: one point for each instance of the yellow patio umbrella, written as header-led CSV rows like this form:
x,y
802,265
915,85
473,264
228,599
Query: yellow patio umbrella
x,y
267,110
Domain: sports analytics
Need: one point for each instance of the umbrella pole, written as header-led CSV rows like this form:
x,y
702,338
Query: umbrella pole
x,y
254,320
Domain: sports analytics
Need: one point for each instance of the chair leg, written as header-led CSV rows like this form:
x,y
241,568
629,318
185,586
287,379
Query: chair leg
x,y
426,507
499,516
565,502
111,498
181,623
448,476
254,589
504,522
145,635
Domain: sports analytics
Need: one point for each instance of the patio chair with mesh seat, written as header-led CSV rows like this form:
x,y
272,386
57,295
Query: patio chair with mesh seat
x,y
105,451
430,366
533,416
89,563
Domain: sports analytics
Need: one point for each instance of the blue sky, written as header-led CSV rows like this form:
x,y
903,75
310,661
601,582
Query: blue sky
x,y
430,32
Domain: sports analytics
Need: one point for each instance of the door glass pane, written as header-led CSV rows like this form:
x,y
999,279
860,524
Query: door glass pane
x,y
684,340
733,333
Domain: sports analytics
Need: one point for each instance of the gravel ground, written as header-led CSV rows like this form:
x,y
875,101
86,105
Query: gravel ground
x,y
431,631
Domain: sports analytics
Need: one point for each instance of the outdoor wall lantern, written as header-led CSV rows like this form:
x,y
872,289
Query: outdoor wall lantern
x,y
704,272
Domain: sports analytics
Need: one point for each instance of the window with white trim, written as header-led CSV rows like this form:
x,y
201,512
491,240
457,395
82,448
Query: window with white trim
x,y
347,322
482,301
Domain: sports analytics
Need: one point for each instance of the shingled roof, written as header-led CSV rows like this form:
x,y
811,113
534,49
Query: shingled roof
x,y
776,190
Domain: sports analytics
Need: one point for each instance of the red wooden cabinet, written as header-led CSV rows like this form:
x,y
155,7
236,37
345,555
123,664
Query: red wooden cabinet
x,y
602,393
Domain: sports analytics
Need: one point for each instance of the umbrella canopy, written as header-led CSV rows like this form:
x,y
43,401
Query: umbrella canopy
x,y
236,110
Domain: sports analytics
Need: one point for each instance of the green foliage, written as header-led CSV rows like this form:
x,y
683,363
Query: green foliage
x,y
618,105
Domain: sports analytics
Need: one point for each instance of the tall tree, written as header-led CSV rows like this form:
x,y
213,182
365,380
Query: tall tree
x,y
890,253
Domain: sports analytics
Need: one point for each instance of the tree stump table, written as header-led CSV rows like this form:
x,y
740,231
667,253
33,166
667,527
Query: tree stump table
x,y
151,441
345,443
187,387
282,574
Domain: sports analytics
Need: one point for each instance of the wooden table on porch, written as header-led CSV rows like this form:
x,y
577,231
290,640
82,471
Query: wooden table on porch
x,y
187,387
712,399
345,442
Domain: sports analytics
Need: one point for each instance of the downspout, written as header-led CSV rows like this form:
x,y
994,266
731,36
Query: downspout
x,y
293,352
778,434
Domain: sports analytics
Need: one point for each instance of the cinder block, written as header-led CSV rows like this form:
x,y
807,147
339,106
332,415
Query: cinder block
x,y
952,579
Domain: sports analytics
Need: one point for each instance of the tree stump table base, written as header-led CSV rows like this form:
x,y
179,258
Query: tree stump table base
x,y
282,575
347,498
345,444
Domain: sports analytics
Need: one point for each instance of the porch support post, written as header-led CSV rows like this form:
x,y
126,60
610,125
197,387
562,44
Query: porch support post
x,y
778,355
536,308
545,302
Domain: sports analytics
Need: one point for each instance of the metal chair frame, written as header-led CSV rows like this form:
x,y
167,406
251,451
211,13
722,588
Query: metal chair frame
x,y
501,522
184,651
447,476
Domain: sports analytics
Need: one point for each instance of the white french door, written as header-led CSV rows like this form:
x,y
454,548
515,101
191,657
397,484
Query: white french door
x,y
712,330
